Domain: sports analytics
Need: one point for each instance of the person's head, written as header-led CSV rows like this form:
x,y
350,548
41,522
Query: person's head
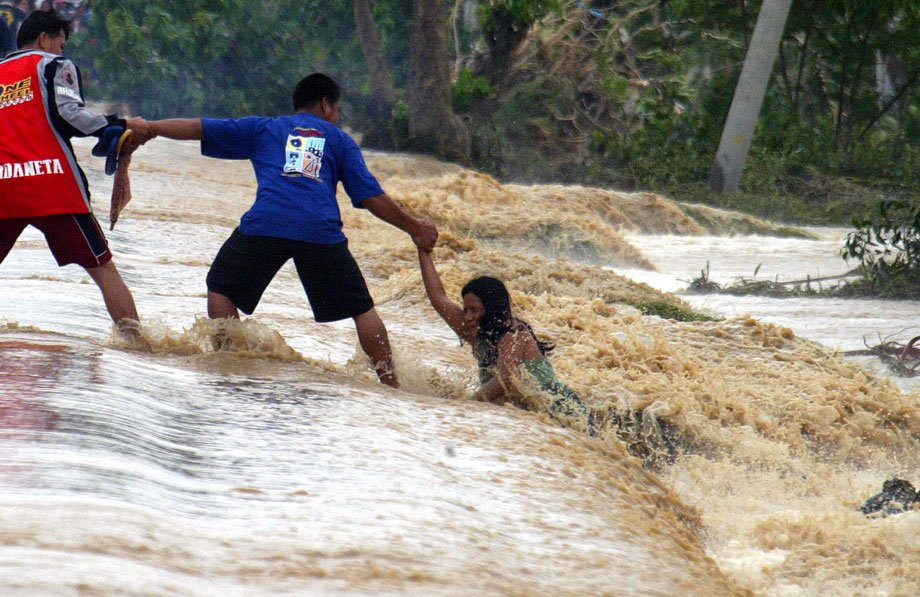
x,y
319,95
487,310
44,30
486,306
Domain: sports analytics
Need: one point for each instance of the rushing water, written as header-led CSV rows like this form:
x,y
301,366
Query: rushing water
x,y
841,324
282,467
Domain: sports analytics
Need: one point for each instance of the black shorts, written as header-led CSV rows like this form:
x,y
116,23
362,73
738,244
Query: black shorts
x,y
246,264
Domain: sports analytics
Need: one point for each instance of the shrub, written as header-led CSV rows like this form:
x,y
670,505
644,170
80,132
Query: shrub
x,y
888,249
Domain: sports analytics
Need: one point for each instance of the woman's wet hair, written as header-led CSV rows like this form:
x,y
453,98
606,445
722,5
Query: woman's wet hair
x,y
497,319
496,303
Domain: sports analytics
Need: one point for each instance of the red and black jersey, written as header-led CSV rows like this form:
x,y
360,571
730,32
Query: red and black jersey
x,y
41,108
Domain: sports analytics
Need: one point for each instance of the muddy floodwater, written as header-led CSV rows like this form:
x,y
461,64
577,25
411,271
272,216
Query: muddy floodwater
x,y
280,466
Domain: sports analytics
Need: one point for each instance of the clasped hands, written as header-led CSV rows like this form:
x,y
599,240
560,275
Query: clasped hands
x,y
425,235
141,133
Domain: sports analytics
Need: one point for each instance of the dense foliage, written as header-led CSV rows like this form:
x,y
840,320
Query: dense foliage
x,y
887,247
637,92
628,93
228,57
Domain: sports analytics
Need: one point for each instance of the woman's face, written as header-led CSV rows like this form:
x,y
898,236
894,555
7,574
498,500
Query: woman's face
x,y
473,310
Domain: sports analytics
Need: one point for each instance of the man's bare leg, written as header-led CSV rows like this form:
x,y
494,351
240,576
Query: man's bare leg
x,y
220,307
118,299
372,335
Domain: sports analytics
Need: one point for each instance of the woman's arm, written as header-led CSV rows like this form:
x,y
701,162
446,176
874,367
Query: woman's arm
x,y
491,391
450,312
424,234
514,348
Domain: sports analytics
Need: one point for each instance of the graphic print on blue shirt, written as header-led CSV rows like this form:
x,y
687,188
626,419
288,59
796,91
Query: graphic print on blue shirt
x,y
299,160
304,153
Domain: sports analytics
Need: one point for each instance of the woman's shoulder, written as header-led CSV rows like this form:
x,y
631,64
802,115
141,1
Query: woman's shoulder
x,y
519,337
519,326
520,331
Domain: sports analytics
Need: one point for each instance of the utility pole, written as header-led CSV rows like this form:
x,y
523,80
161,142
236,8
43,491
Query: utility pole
x,y
725,173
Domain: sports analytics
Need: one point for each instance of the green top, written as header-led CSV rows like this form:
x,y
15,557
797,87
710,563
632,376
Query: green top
x,y
567,402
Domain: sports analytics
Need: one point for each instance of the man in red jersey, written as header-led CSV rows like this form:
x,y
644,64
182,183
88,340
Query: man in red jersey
x,y
41,184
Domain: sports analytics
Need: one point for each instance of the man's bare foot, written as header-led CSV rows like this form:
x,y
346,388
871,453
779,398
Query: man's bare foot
x,y
131,331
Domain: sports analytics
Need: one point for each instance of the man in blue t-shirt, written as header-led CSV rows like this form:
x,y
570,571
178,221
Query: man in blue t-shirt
x,y
299,160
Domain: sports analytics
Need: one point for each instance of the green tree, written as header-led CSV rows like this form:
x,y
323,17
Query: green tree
x,y
505,24
824,109
433,128
887,247
631,93
226,57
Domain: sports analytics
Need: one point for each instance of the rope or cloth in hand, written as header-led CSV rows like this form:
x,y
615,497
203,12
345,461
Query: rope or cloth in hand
x,y
121,185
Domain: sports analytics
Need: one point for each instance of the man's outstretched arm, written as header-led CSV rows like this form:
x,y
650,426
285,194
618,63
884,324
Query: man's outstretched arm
x,y
424,234
183,129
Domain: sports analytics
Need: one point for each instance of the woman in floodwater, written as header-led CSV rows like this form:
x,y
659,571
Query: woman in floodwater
x,y
510,355
505,347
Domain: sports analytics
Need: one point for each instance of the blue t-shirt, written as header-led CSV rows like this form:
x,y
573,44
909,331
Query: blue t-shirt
x,y
298,160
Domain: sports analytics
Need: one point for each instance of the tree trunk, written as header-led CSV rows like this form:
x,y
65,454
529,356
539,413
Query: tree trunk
x,y
889,76
433,127
502,41
749,93
378,69
380,135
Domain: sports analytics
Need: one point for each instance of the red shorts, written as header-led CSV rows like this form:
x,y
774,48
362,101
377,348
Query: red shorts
x,y
72,238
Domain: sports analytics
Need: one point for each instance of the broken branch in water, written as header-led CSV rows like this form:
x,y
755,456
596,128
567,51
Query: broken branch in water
x,y
775,288
903,359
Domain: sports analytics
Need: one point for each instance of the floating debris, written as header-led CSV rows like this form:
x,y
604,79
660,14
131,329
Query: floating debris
x,y
902,359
